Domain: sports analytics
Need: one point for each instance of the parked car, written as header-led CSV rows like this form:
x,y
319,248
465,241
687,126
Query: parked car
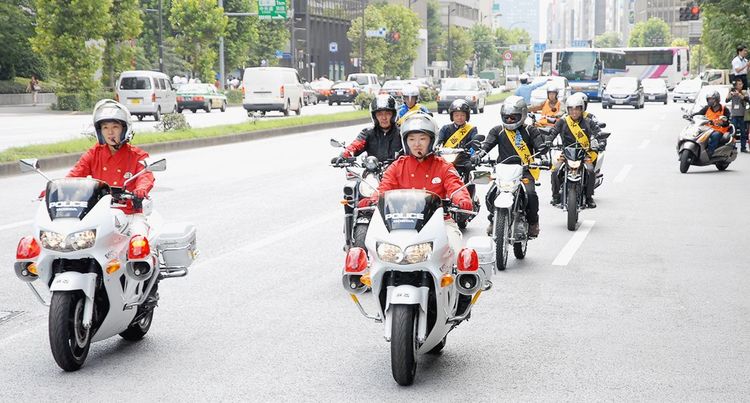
x,y
700,99
462,88
623,91
367,82
310,97
393,88
655,89
539,95
344,91
146,93
687,90
322,89
716,77
426,82
200,96
272,89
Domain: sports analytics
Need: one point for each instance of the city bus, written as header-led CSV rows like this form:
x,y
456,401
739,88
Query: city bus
x,y
589,69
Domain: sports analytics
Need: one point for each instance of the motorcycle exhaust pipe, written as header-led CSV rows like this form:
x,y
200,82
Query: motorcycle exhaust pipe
x,y
468,283
26,271
353,283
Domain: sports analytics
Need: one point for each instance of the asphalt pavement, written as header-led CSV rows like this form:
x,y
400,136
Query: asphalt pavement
x,y
646,301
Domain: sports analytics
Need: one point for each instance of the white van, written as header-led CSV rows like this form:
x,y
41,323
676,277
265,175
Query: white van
x,y
368,82
146,93
272,89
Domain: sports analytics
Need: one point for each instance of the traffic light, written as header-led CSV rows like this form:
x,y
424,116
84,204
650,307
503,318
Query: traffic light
x,y
695,12
690,13
684,13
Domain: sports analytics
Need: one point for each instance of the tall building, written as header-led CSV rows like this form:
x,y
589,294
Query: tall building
x,y
667,10
511,14
575,23
463,13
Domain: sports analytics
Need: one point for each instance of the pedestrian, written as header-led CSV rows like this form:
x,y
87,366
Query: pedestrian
x,y
33,88
740,65
739,99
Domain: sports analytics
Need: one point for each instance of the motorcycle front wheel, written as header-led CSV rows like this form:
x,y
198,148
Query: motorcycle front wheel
x,y
572,206
404,344
685,160
68,339
502,225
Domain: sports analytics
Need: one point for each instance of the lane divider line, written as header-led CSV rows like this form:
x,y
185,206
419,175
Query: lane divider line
x,y
15,225
575,242
623,173
644,144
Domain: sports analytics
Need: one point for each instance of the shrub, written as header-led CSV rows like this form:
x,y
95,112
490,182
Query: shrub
x,y
80,102
234,97
171,122
427,94
363,100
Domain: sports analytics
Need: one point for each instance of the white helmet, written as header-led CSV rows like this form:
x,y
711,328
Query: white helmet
x,y
524,78
410,91
422,123
574,101
111,110
553,88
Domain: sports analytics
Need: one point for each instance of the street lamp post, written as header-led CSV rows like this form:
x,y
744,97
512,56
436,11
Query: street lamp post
x,y
362,40
158,11
450,40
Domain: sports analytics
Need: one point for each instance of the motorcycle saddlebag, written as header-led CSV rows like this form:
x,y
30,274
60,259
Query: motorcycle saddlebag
x,y
176,244
485,248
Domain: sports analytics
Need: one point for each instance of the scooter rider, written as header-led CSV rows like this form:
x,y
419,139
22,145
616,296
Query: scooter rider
x,y
382,140
719,117
459,134
114,159
551,107
420,168
514,137
574,128
411,104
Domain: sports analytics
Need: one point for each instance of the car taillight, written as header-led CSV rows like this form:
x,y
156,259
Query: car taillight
x,y
281,91
139,247
243,90
356,260
352,91
153,97
117,97
28,248
198,99
467,260
180,99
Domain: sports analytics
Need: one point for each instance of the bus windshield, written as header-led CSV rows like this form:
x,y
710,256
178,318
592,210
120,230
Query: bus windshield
x,y
579,66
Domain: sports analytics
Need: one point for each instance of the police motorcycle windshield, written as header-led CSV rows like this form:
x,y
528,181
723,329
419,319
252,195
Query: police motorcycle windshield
x,y
573,153
408,209
73,197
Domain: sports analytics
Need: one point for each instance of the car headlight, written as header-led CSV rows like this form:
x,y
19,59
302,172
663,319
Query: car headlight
x,y
75,241
413,254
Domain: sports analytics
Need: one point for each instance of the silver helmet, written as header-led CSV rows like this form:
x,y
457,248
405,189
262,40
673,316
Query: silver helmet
x,y
422,123
553,88
513,112
575,101
111,110
410,90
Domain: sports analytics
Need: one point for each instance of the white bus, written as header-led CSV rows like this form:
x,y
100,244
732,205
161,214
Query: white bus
x,y
589,69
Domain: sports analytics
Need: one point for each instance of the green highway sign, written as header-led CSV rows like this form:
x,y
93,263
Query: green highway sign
x,y
271,9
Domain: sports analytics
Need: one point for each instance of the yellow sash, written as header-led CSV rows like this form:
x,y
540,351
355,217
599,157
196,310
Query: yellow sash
x,y
459,135
523,152
580,136
414,109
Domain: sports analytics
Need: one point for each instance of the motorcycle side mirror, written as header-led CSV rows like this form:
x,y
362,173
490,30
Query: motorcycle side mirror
x,y
29,165
157,166
336,143
602,125
481,177
479,137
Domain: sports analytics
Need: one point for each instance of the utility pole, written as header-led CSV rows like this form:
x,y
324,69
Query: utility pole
x,y
362,41
221,52
450,48
293,40
161,40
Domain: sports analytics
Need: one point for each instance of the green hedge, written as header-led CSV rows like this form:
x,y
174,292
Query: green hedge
x,y
80,102
18,85
234,97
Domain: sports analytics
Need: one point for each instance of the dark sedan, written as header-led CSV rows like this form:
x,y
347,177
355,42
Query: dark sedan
x,y
345,91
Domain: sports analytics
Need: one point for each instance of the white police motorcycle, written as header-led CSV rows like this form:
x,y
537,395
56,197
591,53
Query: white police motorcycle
x,y
101,281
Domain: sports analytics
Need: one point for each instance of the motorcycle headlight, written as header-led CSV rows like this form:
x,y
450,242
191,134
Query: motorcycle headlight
x,y
574,164
506,186
366,189
75,241
389,253
418,253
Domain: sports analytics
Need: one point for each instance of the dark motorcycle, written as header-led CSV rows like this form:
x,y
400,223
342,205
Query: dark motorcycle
x,y
450,155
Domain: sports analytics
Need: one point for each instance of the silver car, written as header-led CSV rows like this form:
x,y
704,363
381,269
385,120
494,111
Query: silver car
x,y
469,89
687,90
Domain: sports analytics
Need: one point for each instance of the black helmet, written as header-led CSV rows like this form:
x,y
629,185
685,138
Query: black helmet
x,y
383,102
715,96
459,105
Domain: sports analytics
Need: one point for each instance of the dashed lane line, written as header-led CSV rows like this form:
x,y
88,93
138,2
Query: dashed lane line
x,y
623,173
644,144
575,242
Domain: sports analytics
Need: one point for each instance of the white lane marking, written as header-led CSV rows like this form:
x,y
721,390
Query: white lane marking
x,y
575,242
644,144
274,238
15,225
656,127
623,173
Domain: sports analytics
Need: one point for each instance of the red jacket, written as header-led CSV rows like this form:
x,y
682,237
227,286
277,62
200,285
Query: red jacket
x,y
115,168
433,174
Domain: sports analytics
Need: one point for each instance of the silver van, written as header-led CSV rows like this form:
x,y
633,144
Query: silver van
x,y
146,93
272,89
367,81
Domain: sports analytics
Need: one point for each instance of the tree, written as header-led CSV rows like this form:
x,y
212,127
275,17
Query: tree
x,y
608,40
197,24
461,49
517,36
484,46
241,33
679,42
434,28
401,54
70,38
652,33
119,49
723,31
272,36
16,54
376,49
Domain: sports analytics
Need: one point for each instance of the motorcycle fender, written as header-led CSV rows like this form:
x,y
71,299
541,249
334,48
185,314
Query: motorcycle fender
x,y
689,145
504,200
407,295
72,281
574,178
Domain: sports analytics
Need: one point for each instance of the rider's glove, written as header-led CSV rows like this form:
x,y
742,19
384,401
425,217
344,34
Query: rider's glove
x,y
466,204
140,193
42,194
337,160
477,157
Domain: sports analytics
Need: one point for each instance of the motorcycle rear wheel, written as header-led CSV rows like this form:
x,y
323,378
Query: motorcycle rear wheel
x,y
501,238
68,339
572,207
722,166
137,330
519,249
685,160
404,344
